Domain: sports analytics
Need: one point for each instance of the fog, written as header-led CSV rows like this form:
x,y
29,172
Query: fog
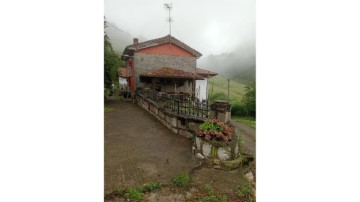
x,y
211,27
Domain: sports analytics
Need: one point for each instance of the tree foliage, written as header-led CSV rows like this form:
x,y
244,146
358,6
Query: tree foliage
x,y
250,99
111,61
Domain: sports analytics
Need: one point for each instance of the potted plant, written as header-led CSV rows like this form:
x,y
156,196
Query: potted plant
x,y
215,130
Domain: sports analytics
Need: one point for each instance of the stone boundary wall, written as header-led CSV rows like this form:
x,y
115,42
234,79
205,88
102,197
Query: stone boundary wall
x,y
223,156
180,124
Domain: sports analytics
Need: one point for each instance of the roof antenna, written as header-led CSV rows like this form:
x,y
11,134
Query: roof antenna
x,y
169,7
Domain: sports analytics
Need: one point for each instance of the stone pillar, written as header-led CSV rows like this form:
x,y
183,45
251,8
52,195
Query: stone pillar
x,y
221,110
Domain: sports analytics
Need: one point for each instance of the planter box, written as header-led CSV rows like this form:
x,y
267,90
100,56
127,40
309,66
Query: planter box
x,y
223,151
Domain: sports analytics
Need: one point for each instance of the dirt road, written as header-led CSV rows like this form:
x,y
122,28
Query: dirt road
x,y
247,134
139,149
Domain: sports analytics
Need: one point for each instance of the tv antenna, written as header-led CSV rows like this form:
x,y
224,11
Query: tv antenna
x,y
169,7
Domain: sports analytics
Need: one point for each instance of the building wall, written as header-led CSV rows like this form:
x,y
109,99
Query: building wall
x,y
144,62
122,81
201,86
166,49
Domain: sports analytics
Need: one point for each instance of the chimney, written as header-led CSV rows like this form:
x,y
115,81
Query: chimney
x,y
136,41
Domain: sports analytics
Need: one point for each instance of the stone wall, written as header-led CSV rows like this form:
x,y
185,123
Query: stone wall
x,y
223,152
179,124
144,62
221,110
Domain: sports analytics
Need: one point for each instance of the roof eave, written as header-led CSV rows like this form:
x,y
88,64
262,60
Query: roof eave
x,y
171,77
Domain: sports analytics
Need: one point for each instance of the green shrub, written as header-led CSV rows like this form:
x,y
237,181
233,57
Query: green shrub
x,y
250,99
151,186
238,109
181,180
134,194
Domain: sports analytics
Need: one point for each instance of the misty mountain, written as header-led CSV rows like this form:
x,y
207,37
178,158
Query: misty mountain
x,y
119,38
239,65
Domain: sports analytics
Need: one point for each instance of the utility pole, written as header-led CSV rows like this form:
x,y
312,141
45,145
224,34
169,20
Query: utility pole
x,y
169,7
228,89
207,87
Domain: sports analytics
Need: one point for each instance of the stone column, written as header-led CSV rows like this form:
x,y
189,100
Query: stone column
x,y
221,110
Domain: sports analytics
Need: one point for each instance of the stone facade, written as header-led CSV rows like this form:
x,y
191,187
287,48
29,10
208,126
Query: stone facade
x,y
144,62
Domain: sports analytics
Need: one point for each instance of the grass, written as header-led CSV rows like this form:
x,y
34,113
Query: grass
x,y
211,196
218,84
134,194
181,180
151,186
109,109
246,191
249,121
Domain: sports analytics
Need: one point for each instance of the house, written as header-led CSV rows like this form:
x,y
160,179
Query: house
x,y
164,64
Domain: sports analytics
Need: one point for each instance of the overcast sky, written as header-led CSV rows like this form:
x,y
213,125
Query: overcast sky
x,y
209,26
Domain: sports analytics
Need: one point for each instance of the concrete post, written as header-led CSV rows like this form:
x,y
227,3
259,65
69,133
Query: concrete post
x,y
221,110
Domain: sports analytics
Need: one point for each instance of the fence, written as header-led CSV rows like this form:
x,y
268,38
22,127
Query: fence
x,y
178,103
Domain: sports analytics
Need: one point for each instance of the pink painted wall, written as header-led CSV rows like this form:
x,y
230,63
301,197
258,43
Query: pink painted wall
x,y
166,49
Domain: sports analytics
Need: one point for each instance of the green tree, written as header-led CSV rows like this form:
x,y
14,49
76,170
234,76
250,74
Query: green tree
x,y
111,61
250,99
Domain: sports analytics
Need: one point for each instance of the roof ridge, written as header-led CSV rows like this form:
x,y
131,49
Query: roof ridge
x,y
162,40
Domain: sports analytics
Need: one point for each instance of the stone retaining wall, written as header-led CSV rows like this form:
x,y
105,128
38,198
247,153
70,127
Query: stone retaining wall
x,y
180,124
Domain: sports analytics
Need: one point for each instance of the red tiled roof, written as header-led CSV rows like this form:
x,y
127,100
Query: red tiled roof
x,y
123,72
205,73
167,72
129,50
